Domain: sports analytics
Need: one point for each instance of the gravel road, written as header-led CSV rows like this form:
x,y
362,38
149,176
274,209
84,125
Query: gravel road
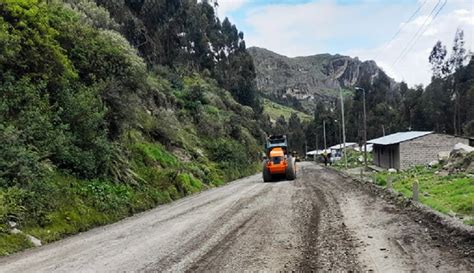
x,y
321,221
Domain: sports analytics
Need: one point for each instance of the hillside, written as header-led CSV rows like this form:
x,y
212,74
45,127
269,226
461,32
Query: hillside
x,y
312,78
276,110
97,124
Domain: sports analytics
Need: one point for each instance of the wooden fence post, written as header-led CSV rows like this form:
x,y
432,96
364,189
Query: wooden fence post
x,y
415,190
389,182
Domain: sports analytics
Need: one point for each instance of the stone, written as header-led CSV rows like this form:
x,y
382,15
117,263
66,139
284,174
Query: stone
x,y
433,163
443,156
15,231
12,224
35,241
443,173
470,168
463,148
391,170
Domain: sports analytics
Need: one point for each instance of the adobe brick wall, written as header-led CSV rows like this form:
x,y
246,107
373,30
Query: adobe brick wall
x,y
423,150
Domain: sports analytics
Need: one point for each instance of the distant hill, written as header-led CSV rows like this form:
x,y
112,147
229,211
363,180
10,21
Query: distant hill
x,y
312,78
275,110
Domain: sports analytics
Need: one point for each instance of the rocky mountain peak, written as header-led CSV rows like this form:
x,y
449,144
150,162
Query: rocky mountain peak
x,y
311,78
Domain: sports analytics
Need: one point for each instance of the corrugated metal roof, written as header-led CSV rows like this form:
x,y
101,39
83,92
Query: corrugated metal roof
x,y
318,152
398,137
341,146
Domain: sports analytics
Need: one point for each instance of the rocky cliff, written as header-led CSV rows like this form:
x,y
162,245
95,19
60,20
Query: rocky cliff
x,y
311,78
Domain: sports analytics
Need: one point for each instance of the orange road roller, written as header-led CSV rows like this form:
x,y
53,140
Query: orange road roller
x,y
278,161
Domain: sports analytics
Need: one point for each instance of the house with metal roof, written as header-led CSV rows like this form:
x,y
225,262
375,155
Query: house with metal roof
x,y
318,152
361,148
337,150
406,149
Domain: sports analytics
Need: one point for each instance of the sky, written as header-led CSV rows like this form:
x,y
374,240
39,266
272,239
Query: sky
x,y
398,34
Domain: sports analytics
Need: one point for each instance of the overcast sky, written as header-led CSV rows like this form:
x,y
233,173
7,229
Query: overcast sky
x,y
362,28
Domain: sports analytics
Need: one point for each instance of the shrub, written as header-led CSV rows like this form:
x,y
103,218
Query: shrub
x,y
155,153
19,163
12,205
107,197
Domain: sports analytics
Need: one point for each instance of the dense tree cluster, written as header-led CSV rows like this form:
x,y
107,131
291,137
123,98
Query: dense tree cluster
x,y
188,35
445,105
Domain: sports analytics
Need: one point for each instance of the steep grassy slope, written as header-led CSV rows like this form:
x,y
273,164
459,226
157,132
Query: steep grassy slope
x,y
275,110
90,134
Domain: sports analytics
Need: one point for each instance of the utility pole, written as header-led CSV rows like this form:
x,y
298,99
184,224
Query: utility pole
x,y
343,128
305,149
324,135
365,127
317,144
365,134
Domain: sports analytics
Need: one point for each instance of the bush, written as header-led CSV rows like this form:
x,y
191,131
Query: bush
x,y
153,154
12,205
19,163
106,197
188,183
12,243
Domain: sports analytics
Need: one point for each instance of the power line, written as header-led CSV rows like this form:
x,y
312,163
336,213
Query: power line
x,y
426,28
417,33
402,27
402,53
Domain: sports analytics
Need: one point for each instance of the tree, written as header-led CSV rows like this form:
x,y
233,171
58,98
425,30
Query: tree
x,y
458,54
455,63
296,133
280,127
436,59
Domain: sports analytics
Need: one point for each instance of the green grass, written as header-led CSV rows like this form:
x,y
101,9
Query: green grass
x,y
275,110
11,243
452,194
156,152
352,159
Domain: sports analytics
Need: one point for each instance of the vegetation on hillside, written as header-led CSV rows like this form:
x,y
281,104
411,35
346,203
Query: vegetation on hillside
x,y
104,112
275,111
444,106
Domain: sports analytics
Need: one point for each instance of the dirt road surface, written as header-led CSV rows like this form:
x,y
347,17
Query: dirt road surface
x,y
321,221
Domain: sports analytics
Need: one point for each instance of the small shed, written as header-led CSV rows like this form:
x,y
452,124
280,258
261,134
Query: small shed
x,y
361,148
406,149
337,149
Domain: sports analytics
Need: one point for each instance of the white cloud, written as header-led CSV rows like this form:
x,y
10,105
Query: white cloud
x,y
227,6
361,30
414,68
